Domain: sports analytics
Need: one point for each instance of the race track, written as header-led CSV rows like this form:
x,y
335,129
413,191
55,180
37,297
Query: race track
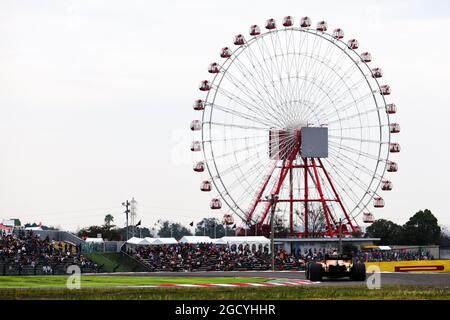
x,y
399,278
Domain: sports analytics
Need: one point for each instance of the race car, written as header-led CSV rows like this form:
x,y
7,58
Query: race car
x,y
335,266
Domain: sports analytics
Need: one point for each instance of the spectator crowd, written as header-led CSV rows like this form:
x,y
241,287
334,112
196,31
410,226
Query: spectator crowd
x,y
367,256
27,250
211,257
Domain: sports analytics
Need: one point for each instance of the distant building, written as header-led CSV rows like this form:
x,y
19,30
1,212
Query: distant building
x,y
4,229
11,222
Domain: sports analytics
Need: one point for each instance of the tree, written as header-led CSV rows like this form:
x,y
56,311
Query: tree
x,y
207,225
139,232
422,229
109,219
107,232
387,231
317,223
173,229
34,224
279,226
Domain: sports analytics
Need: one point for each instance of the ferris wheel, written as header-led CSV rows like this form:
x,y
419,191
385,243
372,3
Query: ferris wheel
x,y
295,113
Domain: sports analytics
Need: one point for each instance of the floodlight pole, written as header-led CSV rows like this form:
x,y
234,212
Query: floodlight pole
x,y
126,204
340,235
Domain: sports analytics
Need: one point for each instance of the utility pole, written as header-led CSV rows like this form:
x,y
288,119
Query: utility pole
x,y
273,202
126,204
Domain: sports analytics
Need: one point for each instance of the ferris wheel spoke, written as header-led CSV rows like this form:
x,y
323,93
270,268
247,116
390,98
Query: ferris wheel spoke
x,y
352,150
239,150
231,153
316,73
236,138
307,66
339,179
245,116
335,103
285,62
356,178
283,101
336,80
235,126
263,75
241,180
353,116
357,164
240,101
276,66
257,107
249,93
357,128
348,176
249,75
347,106
356,115
308,70
332,90
356,139
253,156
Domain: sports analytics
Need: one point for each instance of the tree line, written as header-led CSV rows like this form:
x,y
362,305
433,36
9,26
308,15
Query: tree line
x,y
421,229
211,227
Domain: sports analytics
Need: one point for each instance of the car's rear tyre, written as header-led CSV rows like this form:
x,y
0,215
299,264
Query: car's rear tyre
x,y
315,271
358,272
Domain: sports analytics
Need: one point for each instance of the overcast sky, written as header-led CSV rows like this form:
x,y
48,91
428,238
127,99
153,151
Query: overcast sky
x,y
96,100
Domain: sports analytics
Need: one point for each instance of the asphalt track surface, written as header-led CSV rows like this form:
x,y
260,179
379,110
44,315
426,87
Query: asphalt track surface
x,y
398,278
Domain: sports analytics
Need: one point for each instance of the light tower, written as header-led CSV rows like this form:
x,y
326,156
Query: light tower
x,y
133,215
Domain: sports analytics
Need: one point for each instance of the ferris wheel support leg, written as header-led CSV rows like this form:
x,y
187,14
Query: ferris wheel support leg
x,y
325,207
337,196
287,165
259,195
275,191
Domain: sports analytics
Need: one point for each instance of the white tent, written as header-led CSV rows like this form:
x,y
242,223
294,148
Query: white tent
x,y
220,241
95,240
246,240
37,229
196,239
164,241
148,241
135,240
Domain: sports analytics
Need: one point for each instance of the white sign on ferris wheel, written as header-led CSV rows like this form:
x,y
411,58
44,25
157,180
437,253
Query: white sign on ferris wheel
x,y
295,112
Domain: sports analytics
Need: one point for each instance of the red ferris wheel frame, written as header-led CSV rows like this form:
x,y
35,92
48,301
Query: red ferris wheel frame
x,y
310,167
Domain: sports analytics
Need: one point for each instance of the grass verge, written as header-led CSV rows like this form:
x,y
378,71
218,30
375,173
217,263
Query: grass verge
x,y
30,282
243,293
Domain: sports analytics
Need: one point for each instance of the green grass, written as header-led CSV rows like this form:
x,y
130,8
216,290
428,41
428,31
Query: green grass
x,y
257,293
29,282
109,287
115,262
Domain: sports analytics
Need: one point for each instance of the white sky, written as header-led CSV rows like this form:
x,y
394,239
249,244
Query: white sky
x,y
96,99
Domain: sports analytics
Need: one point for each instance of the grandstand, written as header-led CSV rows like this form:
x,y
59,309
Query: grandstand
x,y
25,253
